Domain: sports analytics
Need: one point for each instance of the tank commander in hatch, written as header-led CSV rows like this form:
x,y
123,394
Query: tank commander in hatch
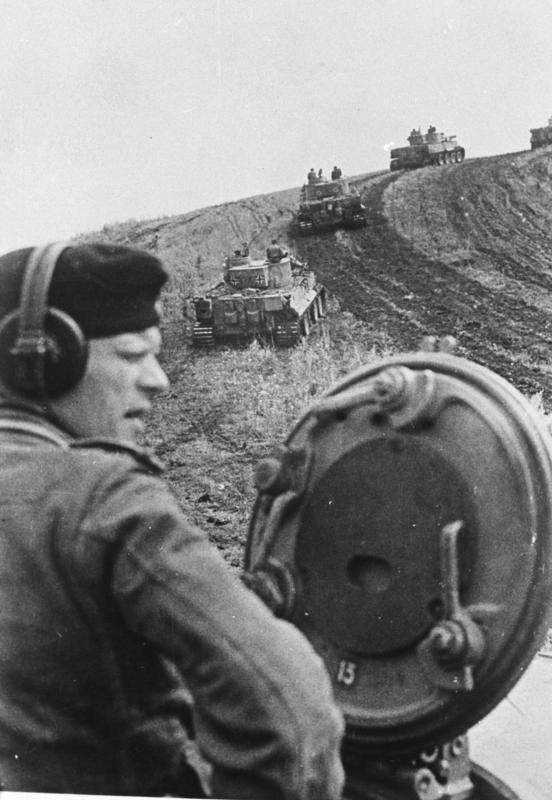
x,y
122,631
274,252
311,177
336,173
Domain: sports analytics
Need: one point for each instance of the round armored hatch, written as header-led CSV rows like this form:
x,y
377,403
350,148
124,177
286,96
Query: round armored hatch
x,y
404,527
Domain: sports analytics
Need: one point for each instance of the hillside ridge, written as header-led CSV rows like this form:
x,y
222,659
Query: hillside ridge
x,y
461,249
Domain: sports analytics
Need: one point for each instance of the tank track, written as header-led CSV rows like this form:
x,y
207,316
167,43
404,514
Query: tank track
x,y
287,334
202,336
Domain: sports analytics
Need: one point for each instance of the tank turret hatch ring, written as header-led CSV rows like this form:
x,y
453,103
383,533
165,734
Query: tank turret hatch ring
x,y
410,512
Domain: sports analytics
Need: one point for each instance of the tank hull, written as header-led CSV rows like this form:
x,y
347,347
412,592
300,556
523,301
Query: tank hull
x,y
309,223
280,315
541,137
425,155
426,149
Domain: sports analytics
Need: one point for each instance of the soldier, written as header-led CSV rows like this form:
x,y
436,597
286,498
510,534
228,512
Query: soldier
x,y
311,177
274,252
336,173
122,631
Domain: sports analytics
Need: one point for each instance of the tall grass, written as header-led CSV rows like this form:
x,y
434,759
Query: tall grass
x,y
227,408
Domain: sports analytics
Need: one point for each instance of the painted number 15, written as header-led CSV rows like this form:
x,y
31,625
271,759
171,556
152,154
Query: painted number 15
x,y
346,672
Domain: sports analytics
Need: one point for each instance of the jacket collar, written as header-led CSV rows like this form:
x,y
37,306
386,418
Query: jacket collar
x,y
24,420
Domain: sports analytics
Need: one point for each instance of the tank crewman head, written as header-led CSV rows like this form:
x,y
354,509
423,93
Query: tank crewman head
x,y
118,618
100,371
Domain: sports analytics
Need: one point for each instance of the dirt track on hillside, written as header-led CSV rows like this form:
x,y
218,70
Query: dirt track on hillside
x,y
462,249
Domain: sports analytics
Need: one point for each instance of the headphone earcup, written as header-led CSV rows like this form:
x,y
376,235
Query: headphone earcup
x,y
63,363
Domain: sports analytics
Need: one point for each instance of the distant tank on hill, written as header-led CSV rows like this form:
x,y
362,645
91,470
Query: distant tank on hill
x,y
325,205
541,137
425,149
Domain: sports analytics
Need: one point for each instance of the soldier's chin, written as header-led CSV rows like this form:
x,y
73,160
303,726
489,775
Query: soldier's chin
x,y
132,428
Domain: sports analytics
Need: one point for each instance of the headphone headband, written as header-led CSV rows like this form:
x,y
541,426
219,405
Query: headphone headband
x,y
43,351
31,339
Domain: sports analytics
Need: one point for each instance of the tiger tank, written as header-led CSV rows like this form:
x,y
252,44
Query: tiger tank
x,y
541,137
325,205
425,149
272,300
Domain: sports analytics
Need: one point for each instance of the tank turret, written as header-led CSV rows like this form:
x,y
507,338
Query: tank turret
x,y
243,272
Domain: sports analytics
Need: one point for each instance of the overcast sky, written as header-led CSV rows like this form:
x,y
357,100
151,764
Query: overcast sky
x,y
132,109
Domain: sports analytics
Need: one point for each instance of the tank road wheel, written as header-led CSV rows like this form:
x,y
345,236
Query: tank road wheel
x,y
459,156
453,157
440,159
202,336
448,157
305,325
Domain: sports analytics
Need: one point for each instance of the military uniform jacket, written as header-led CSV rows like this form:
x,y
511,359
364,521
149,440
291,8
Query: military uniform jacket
x,y
113,611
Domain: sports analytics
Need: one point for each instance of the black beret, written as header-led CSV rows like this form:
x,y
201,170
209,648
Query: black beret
x,y
106,288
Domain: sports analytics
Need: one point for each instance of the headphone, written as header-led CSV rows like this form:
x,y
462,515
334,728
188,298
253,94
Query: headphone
x,y
43,351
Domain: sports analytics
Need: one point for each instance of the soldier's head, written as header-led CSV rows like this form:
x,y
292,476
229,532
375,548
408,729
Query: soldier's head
x,y
79,335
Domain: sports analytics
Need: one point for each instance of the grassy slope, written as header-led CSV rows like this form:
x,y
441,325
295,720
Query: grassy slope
x,y
228,408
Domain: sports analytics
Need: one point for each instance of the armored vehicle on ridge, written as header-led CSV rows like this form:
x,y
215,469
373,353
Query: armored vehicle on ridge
x,y
273,299
425,149
325,205
540,137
